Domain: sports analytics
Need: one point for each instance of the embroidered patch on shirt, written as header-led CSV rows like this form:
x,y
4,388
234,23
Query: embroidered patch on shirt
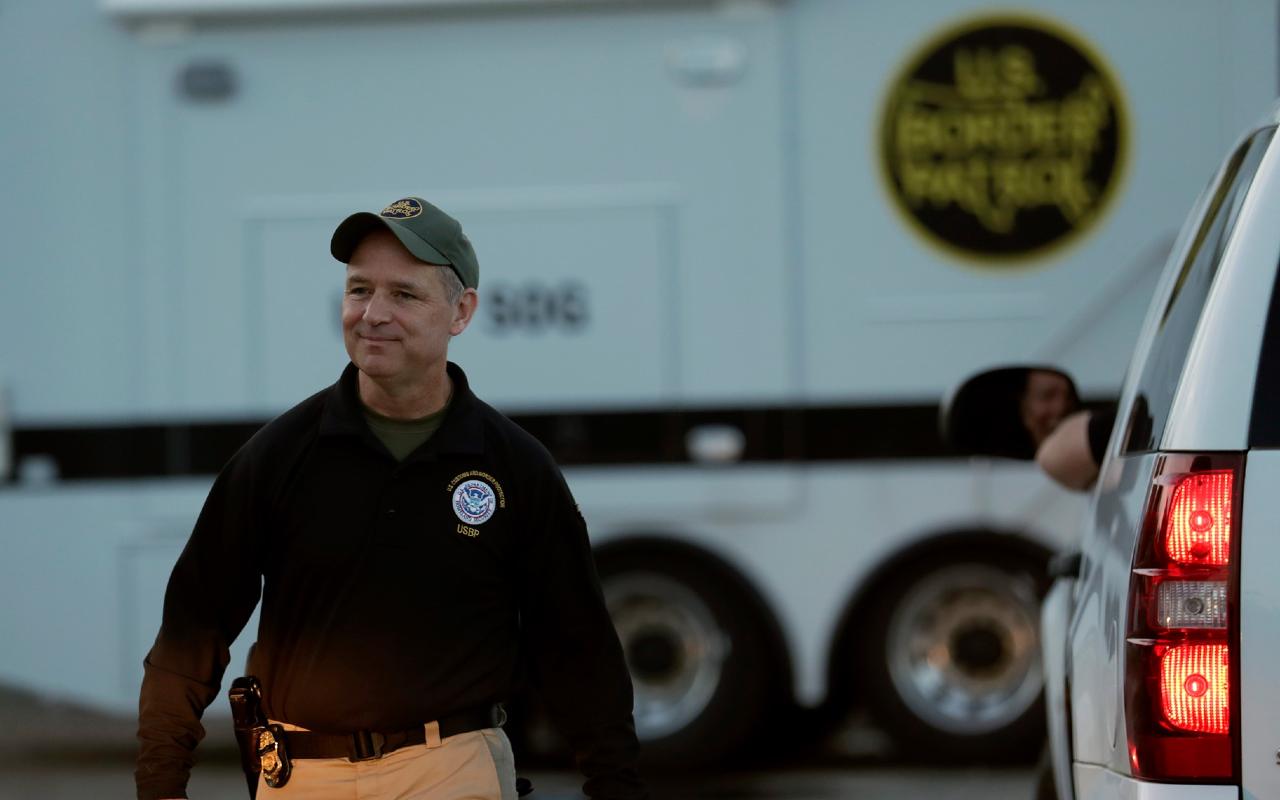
x,y
475,497
474,502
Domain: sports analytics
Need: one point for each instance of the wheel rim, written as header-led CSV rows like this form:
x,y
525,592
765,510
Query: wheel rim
x,y
963,648
675,650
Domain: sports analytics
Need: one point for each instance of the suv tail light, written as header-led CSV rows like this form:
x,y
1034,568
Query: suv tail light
x,y
1181,704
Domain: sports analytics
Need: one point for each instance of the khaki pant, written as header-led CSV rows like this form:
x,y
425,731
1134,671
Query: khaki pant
x,y
470,766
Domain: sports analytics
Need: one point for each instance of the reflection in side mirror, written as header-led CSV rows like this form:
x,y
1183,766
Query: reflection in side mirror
x,y
1007,412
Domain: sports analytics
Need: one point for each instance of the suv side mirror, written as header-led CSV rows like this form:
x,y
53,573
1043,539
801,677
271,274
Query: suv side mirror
x,y
1008,411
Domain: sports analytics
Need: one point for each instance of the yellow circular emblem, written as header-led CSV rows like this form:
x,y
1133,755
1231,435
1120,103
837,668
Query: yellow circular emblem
x,y
1003,138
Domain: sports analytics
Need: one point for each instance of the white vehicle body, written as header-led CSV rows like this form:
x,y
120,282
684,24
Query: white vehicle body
x,y
1201,377
697,183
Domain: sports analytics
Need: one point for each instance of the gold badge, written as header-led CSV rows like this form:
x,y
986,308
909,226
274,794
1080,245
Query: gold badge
x,y
273,758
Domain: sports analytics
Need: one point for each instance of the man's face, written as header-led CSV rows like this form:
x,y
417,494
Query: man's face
x,y
1048,398
396,316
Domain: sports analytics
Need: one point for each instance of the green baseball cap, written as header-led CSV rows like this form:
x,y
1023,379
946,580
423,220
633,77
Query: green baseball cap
x,y
427,232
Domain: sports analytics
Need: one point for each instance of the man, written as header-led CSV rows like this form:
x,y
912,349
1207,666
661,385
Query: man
x,y
1047,398
414,551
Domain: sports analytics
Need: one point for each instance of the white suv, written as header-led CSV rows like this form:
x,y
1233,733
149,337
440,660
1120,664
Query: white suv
x,y
1161,640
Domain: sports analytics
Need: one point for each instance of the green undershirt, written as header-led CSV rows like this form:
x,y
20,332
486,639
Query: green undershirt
x,y
402,436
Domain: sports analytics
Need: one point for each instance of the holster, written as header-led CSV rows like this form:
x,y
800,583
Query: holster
x,y
262,745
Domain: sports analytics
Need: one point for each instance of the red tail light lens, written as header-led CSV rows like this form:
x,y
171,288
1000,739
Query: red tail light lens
x,y
1198,526
1179,704
1194,688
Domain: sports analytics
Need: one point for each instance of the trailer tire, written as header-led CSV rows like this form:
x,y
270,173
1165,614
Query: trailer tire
x,y
952,660
698,650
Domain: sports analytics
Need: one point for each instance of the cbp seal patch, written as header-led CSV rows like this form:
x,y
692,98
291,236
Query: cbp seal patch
x,y
474,502
475,496
406,208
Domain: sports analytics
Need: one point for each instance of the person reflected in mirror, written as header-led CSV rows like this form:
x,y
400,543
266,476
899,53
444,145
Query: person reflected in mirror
x,y
1047,399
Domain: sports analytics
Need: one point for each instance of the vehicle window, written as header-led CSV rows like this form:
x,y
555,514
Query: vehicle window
x,y
1264,422
1177,325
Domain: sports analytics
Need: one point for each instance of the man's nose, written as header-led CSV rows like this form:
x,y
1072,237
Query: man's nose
x,y
378,309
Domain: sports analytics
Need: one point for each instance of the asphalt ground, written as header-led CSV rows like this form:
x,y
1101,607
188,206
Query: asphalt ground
x,y
864,783
55,751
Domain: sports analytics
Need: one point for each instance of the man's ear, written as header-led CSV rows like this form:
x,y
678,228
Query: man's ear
x,y
464,310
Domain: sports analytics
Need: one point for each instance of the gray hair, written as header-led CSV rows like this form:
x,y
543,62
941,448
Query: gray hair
x,y
451,282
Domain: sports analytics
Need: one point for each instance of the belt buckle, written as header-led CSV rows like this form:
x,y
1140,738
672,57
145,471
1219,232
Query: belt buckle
x,y
366,746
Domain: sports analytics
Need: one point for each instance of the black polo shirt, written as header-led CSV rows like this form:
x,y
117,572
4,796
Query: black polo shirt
x,y
393,593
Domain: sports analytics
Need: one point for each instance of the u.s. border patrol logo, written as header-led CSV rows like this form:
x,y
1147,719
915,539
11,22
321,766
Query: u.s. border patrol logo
x,y
474,502
407,208
1004,138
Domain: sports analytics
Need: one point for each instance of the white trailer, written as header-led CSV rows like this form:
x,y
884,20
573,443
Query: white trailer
x,y
732,255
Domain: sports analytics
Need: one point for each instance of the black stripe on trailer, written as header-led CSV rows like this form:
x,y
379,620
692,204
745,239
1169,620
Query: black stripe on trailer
x,y
649,436
576,438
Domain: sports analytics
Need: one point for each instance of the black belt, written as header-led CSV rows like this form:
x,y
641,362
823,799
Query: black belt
x,y
366,745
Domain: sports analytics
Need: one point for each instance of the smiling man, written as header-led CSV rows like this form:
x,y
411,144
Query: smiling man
x,y
414,550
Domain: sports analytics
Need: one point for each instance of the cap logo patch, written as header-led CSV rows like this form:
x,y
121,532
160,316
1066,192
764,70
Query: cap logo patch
x,y
408,208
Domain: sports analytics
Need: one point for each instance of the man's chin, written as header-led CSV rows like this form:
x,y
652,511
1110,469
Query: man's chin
x,y
377,367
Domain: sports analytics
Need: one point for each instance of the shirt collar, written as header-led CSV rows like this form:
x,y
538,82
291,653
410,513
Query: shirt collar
x,y
462,430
